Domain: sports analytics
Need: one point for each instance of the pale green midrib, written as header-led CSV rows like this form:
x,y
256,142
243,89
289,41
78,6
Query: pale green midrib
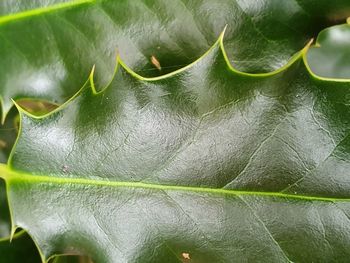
x,y
11,176
42,10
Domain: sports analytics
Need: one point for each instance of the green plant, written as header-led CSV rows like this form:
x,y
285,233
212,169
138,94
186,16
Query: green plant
x,y
161,159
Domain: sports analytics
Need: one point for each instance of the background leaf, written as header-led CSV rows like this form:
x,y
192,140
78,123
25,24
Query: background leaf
x,y
8,133
20,249
331,55
5,226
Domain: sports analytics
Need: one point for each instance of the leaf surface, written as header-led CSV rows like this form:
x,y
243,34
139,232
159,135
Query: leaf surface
x,y
14,8
207,162
48,47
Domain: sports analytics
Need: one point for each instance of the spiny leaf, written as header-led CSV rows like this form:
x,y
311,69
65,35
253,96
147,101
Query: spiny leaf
x,y
48,47
206,162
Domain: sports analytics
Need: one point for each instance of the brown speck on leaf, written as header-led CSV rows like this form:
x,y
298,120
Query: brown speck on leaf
x,y
155,62
65,168
3,144
186,255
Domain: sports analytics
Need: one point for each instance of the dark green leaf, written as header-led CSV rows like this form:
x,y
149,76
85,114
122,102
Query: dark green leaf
x,y
5,226
207,163
47,52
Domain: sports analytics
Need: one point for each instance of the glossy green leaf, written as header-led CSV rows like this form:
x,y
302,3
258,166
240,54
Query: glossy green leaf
x,y
206,164
48,47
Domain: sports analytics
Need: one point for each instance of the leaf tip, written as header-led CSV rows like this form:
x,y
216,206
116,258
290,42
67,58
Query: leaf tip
x,y
5,109
91,79
19,108
222,34
117,54
307,46
13,231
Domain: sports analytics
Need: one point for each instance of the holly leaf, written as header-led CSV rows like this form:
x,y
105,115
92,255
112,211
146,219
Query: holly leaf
x,y
205,164
48,47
